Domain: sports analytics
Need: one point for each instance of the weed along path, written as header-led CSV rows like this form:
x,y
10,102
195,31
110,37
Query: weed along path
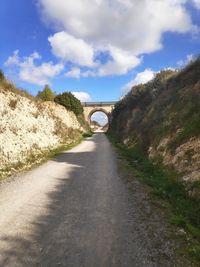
x,y
76,210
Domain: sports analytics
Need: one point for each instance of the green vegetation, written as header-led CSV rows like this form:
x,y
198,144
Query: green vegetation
x,y
191,128
69,101
46,94
2,77
169,105
166,186
88,134
35,159
66,99
6,85
95,123
38,157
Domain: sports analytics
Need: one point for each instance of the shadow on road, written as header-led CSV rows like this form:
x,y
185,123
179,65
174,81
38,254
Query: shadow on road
x,y
47,246
90,218
81,220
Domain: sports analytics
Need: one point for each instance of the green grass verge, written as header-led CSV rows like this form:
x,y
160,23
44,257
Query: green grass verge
x,y
166,186
35,159
88,134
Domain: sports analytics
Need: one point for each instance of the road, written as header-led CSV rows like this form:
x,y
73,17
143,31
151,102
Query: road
x,y
75,210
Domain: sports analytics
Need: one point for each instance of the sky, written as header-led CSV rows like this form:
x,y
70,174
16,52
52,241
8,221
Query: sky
x,y
97,49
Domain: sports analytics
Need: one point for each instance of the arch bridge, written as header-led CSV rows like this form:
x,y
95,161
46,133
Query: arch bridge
x,y
91,107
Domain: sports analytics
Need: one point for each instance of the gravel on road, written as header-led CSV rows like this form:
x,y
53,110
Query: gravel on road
x,y
76,210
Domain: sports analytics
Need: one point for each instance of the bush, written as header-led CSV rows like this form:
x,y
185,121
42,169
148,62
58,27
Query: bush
x,y
69,101
46,94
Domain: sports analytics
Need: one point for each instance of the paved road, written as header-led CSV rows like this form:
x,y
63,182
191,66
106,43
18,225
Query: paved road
x,y
74,211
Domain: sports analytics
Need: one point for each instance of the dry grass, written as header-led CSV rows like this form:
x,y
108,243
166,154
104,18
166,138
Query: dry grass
x,y
6,85
13,104
33,129
14,130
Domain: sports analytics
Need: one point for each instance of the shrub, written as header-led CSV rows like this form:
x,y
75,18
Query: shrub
x,y
46,94
69,101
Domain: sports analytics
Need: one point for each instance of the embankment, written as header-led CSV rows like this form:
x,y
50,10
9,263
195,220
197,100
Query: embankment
x,y
30,129
163,118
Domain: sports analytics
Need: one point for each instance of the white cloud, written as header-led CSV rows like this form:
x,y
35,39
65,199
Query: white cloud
x,y
182,63
122,61
89,73
197,3
13,60
29,72
72,49
140,78
130,25
125,28
73,73
82,96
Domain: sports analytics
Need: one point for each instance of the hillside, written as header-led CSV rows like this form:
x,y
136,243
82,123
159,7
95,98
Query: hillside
x,y
31,129
162,118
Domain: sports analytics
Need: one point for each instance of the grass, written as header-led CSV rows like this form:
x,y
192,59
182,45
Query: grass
x,y
87,134
6,85
35,159
166,186
191,129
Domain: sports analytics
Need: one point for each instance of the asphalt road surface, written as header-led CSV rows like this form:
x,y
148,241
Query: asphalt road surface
x,y
75,211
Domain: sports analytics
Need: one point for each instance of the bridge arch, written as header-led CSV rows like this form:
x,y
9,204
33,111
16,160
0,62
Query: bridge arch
x,y
98,110
91,107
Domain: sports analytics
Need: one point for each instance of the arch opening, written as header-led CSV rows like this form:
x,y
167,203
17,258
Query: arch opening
x,y
99,120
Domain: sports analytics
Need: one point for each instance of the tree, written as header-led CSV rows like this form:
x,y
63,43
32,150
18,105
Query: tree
x,y
46,94
2,77
69,101
95,123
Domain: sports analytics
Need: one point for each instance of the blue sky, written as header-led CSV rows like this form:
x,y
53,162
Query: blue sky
x,y
97,49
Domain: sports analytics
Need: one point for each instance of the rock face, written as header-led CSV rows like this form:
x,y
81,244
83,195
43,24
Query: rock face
x,y
29,127
185,158
163,118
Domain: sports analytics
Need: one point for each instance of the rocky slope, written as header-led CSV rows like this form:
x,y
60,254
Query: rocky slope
x,y
163,118
29,128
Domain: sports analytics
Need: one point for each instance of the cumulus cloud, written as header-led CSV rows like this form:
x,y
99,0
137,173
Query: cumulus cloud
x,y
73,73
72,49
29,72
141,78
126,29
183,62
13,60
82,96
197,3
130,25
122,61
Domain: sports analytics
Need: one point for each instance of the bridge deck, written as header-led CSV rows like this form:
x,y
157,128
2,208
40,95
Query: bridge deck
x,y
99,104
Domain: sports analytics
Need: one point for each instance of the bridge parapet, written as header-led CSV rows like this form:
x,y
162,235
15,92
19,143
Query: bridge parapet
x,y
98,104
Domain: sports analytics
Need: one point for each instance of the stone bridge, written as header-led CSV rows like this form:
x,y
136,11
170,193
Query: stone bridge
x,y
92,107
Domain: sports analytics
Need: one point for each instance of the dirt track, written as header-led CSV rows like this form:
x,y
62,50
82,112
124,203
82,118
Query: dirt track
x,y
76,211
